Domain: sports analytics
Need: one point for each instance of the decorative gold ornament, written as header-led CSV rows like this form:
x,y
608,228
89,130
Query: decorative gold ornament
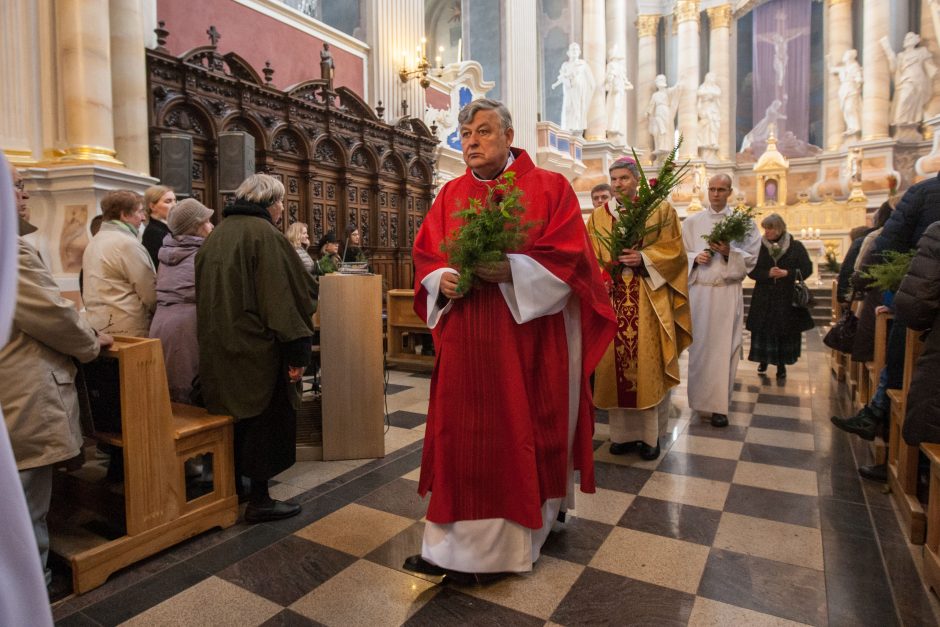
x,y
719,17
90,153
687,10
647,25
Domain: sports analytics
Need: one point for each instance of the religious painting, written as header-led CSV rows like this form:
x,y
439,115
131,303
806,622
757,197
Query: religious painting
x,y
74,238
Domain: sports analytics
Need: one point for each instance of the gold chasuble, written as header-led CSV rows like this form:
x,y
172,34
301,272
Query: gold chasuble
x,y
654,322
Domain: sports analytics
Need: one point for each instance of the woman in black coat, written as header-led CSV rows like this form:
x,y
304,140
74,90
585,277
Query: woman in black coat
x,y
776,326
917,304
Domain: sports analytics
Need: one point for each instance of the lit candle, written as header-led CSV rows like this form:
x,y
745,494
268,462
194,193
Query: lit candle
x,y
817,233
802,233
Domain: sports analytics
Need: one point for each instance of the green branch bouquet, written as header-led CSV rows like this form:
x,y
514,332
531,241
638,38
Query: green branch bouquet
x,y
887,275
630,228
731,228
490,229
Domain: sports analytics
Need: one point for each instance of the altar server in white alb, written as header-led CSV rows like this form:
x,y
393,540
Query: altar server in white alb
x,y
715,275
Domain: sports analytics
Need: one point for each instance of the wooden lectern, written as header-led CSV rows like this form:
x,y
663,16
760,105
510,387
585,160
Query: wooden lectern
x,y
156,438
351,370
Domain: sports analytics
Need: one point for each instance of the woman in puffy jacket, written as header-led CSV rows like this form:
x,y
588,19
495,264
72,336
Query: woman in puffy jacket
x,y
917,304
174,322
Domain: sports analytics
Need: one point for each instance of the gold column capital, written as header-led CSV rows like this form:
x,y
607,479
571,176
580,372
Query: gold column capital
x,y
832,3
646,25
687,10
719,17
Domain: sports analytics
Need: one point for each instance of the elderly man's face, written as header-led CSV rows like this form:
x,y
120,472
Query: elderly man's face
x,y
485,144
20,193
623,182
719,189
600,197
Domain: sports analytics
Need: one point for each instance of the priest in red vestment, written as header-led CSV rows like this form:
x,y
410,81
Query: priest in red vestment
x,y
510,416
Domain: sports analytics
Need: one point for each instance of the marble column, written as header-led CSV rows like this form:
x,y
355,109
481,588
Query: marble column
x,y
929,31
394,29
617,36
17,105
129,84
719,64
84,55
839,29
521,82
876,104
594,50
688,69
646,29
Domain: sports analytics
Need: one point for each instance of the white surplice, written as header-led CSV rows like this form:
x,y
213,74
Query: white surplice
x,y
717,303
495,545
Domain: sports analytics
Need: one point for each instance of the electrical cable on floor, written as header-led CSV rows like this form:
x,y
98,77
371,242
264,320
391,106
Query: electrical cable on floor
x,y
388,421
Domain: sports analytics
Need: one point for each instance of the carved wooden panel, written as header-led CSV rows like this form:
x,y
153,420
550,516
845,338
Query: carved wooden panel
x,y
339,162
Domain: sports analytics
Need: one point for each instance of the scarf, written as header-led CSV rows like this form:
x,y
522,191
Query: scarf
x,y
243,207
783,242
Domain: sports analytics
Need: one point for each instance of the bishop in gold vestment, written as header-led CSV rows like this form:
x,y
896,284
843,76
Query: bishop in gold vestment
x,y
649,294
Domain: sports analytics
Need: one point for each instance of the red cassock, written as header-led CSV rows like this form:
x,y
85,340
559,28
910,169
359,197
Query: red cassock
x,y
496,439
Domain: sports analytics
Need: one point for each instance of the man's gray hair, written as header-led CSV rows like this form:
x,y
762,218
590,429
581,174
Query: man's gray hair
x,y
627,163
262,189
485,104
774,221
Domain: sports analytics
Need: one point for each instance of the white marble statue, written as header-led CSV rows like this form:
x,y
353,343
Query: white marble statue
x,y
913,70
661,114
850,90
578,83
617,84
853,165
709,112
763,128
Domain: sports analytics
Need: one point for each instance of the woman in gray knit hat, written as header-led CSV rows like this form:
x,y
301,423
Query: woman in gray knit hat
x,y
174,322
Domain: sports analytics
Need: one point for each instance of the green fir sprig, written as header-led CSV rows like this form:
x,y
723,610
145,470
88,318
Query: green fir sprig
x,y
732,228
887,275
490,229
630,229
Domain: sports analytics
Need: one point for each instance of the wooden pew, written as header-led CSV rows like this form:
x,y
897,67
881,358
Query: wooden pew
x,y
839,362
156,438
403,320
932,545
873,372
902,458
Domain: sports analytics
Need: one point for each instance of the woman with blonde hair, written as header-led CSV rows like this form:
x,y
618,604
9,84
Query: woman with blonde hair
x,y
159,200
119,278
299,238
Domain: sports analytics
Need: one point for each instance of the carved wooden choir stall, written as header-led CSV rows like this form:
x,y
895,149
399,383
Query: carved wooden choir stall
x,y
340,163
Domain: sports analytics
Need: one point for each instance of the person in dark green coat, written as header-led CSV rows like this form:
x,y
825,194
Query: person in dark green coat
x,y
254,304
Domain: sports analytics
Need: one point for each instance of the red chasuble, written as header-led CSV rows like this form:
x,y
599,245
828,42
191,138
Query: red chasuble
x,y
496,440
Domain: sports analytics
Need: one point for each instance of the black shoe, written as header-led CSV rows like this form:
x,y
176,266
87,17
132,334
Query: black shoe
x,y
562,516
781,372
417,564
472,579
649,453
719,420
274,510
874,472
762,367
622,448
865,425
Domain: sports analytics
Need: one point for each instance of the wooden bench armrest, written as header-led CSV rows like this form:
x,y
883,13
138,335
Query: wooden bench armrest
x,y
932,451
107,437
189,420
895,395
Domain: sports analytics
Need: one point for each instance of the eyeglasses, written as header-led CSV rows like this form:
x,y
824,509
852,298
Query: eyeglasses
x,y
20,185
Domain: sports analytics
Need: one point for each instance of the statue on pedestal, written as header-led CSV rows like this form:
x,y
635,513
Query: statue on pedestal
x,y
616,84
661,114
766,125
709,112
577,81
850,90
913,70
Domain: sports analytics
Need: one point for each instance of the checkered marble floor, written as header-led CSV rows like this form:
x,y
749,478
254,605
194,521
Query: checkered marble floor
x,y
764,522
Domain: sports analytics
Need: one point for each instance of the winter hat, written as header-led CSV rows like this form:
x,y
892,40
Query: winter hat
x,y
329,238
186,216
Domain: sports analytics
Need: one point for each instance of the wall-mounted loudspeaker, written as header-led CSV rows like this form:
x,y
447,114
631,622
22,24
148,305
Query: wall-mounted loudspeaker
x,y
176,163
236,159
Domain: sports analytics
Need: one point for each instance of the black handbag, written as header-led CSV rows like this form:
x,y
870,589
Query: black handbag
x,y
802,297
841,336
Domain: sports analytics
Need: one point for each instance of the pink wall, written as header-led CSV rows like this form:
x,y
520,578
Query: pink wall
x,y
436,99
294,55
